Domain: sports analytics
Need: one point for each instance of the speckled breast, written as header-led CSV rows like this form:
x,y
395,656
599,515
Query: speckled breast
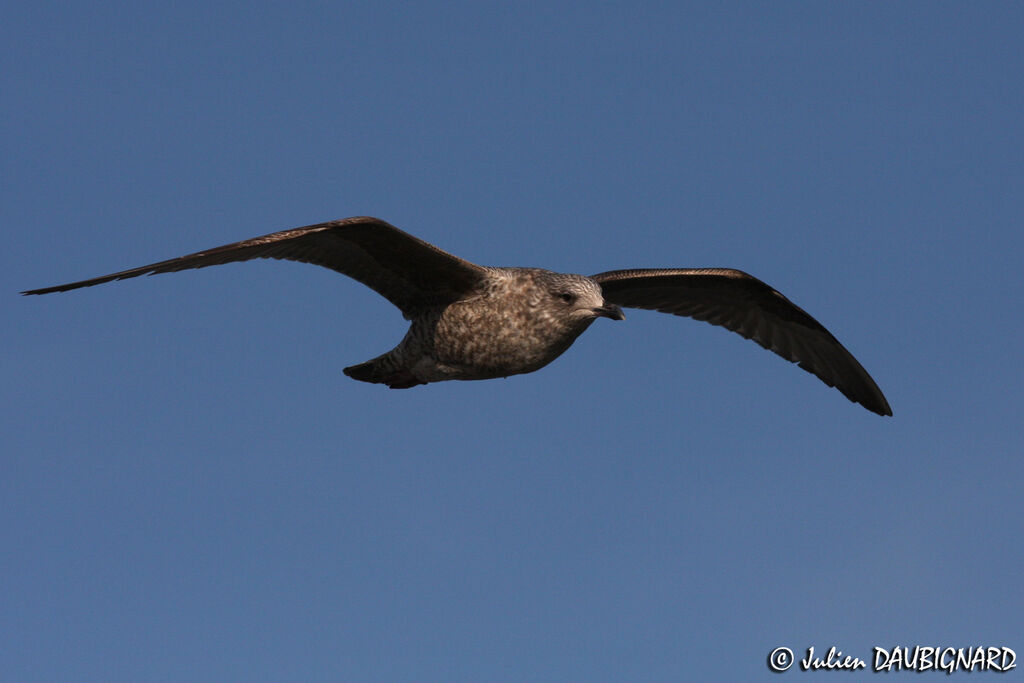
x,y
492,337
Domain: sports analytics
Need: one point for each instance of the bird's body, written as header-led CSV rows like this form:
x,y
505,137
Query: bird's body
x,y
518,320
474,322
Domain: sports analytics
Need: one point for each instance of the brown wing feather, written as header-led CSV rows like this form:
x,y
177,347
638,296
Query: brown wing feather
x,y
406,270
742,303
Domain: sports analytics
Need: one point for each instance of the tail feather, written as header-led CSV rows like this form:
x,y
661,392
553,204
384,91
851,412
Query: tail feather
x,y
378,372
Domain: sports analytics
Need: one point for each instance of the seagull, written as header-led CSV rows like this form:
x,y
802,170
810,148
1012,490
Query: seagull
x,y
477,322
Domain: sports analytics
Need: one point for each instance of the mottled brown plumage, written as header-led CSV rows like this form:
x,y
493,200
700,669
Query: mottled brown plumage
x,y
476,322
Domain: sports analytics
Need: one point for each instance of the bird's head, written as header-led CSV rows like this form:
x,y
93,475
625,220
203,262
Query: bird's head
x,y
580,298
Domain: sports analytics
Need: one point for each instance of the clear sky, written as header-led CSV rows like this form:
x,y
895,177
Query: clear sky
x,y
191,489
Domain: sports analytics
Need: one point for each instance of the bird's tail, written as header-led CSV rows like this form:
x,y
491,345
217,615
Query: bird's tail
x,y
379,371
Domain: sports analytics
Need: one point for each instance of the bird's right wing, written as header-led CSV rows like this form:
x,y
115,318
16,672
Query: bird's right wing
x,y
409,272
747,306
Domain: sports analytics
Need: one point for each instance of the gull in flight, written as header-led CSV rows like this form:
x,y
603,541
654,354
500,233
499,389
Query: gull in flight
x,y
478,322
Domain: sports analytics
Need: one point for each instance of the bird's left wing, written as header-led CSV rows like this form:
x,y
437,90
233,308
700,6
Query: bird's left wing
x,y
404,269
742,303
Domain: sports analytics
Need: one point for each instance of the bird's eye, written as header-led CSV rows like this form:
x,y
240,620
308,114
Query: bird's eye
x,y
567,297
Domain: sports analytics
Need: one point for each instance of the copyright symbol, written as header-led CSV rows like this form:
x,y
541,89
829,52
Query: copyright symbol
x,y
780,659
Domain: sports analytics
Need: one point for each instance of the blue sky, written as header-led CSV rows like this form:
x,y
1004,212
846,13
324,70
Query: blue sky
x,y
192,490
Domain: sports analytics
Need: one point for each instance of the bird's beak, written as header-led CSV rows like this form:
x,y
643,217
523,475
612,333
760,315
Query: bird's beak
x,y
610,311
